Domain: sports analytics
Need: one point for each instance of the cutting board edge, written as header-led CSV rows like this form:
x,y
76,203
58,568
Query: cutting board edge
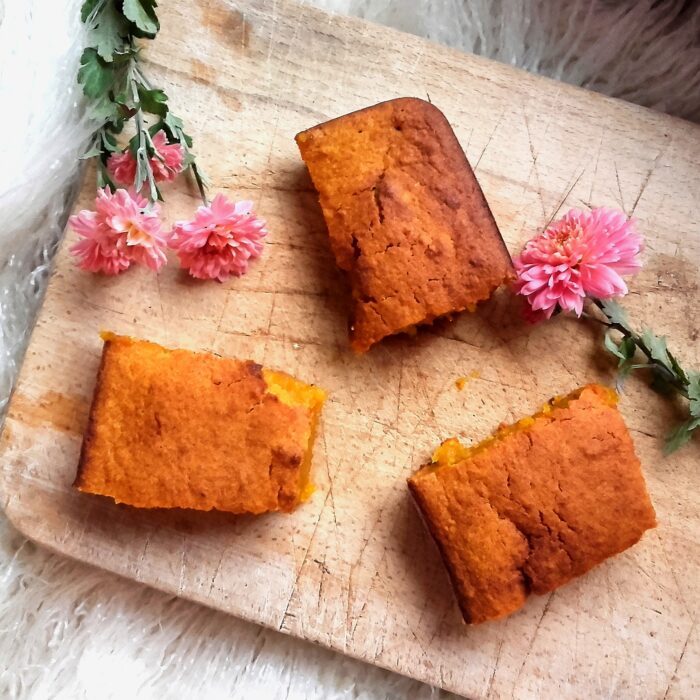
x,y
29,528
515,72
35,536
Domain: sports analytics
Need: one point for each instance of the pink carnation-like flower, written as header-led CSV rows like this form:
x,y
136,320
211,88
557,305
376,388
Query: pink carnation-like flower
x,y
584,254
122,166
95,250
220,241
121,230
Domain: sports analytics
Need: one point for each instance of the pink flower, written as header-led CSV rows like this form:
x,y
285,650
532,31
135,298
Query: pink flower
x,y
172,155
122,166
121,230
95,251
220,240
584,254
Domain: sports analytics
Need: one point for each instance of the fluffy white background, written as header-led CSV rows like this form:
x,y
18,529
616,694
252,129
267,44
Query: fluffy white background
x,y
70,631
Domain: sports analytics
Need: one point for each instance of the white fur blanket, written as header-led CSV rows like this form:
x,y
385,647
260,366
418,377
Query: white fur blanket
x,y
70,631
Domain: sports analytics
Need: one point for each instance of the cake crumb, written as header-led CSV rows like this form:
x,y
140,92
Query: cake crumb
x,y
461,382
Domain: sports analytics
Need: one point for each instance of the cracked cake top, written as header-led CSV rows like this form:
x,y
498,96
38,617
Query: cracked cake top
x,y
536,504
406,217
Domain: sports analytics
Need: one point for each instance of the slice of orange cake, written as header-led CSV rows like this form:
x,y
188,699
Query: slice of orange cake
x,y
407,219
536,504
180,429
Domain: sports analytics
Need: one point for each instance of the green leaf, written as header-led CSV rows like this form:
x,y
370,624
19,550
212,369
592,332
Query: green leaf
x,y
109,29
612,346
628,348
116,126
657,348
91,153
144,175
153,101
174,127
174,122
142,150
624,350
694,393
142,169
103,178
679,371
156,127
94,75
625,367
126,100
615,313
103,110
109,143
133,145
88,8
142,14
681,435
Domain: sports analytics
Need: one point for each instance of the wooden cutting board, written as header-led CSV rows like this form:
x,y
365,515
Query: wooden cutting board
x,y
353,569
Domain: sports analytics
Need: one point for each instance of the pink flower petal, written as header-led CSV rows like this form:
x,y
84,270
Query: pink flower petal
x,y
122,168
165,165
121,230
92,257
220,240
173,156
582,254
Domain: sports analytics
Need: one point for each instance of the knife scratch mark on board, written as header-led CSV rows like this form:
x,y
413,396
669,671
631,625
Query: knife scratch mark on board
x,y
493,133
303,563
495,669
655,164
531,645
534,168
672,677
619,188
603,131
565,196
414,65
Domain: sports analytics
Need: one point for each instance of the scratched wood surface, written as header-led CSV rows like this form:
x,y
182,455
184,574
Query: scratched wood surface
x,y
353,569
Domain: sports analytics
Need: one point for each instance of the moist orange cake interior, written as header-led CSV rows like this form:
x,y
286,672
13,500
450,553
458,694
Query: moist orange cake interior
x,y
294,394
452,451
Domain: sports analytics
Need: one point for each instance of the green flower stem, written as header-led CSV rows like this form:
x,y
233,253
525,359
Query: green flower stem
x,y
142,159
678,384
199,179
667,374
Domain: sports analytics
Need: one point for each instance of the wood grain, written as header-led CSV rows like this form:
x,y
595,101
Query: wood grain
x,y
354,569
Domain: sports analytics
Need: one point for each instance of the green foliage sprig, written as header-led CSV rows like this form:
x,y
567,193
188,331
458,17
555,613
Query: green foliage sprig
x,y
112,77
667,375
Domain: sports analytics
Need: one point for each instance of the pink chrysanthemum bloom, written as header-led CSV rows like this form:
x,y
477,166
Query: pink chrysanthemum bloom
x,y
96,250
220,241
122,166
121,230
584,254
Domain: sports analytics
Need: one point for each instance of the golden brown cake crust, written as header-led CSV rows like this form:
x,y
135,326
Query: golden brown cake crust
x,y
406,217
537,507
174,428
